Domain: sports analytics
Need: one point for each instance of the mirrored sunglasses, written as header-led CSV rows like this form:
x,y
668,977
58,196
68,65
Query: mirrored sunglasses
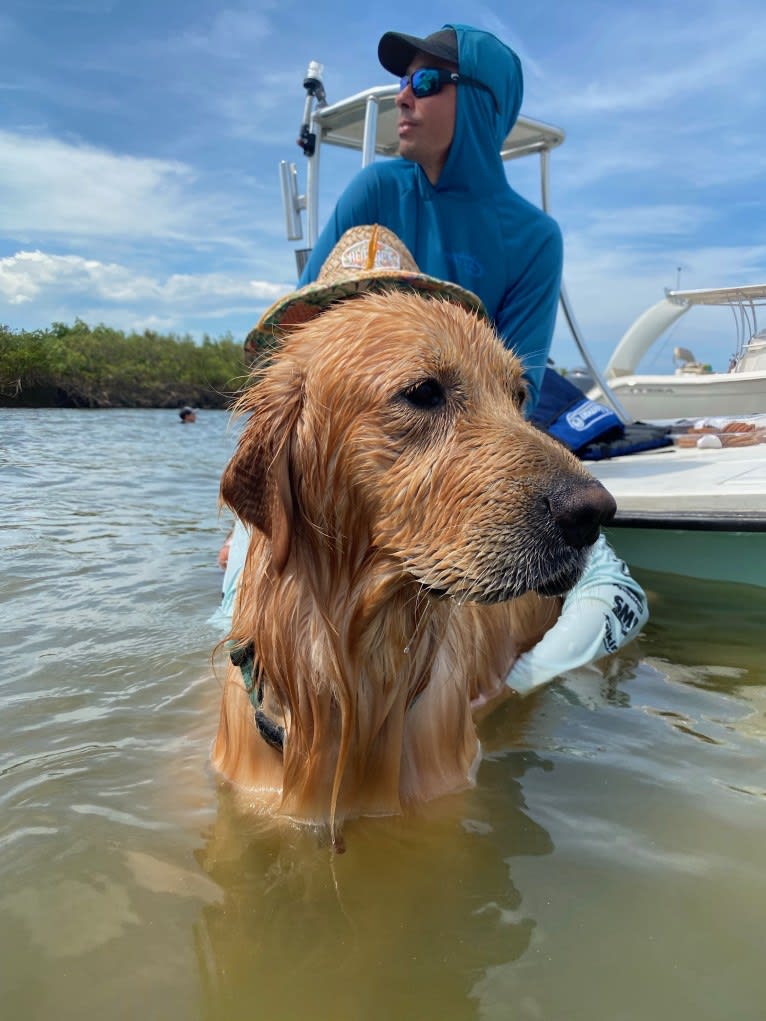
x,y
429,81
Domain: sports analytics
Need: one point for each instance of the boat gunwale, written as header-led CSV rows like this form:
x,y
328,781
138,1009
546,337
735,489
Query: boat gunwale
x,y
692,521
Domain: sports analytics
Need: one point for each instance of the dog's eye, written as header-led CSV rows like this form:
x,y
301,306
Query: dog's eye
x,y
426,395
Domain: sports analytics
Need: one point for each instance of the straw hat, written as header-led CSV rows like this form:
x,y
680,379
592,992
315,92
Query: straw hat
x,y
367,258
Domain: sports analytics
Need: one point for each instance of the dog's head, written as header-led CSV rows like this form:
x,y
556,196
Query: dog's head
x,y
393,425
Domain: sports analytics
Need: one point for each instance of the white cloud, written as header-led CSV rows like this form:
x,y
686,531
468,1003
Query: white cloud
x,y
52,186
484,17
650,220
230,34
642,60
35,276
258,111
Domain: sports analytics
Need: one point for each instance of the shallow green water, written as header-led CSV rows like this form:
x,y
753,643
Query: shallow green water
x,y
608,865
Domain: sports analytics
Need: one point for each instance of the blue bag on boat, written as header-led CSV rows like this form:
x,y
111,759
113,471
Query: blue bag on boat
x,y
566,413
591,430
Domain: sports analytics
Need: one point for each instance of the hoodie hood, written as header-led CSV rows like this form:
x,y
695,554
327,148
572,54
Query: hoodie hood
x,y
474,164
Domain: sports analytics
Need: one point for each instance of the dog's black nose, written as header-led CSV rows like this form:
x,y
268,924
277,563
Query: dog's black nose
x,y
580,510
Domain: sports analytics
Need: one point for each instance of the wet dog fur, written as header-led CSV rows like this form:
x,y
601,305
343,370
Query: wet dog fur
x,y
412,534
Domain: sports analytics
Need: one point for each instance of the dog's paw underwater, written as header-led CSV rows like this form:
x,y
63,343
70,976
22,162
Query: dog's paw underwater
x,y
412,533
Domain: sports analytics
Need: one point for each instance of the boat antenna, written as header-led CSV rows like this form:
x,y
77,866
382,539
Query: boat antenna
x,y
314,86
678,277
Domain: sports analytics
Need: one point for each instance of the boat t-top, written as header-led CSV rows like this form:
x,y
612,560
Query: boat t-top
x,y
694,390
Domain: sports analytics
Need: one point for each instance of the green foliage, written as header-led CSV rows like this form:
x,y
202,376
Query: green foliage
x,y
101,367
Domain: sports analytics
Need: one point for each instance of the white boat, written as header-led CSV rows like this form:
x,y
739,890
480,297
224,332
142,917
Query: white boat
x,y
693,390
694,510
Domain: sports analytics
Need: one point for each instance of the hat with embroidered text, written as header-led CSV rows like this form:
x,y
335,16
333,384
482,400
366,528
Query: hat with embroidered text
x,y
367,258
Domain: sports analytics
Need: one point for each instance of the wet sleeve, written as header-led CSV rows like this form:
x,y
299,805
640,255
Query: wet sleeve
x,y
527,315
605,610
240,541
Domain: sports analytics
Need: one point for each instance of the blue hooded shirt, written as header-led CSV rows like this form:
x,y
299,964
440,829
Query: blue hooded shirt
x,y
470,227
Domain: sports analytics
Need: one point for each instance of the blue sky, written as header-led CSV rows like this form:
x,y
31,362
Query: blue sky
x,y
139,146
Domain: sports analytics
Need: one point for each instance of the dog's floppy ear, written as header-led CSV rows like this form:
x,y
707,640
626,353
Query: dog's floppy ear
x,y
256,483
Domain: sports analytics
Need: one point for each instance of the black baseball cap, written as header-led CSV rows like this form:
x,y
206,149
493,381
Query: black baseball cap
x,y
396,50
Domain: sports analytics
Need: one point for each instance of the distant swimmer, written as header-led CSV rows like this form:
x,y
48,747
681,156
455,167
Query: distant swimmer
x,y
187,414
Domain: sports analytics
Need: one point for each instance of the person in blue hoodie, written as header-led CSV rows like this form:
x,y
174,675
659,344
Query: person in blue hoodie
x,y
449,201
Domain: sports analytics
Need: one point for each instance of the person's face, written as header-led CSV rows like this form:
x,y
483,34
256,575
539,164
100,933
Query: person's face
x,y
427,125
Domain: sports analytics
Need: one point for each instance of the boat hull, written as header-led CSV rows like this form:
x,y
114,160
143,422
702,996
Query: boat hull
x,y
738,557
711,395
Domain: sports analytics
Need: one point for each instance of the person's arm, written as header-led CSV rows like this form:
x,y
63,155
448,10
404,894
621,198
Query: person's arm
x,y
605,610
527,315
223,553
239,541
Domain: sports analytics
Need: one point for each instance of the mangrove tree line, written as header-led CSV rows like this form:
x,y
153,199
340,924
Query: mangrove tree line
x,y
99,367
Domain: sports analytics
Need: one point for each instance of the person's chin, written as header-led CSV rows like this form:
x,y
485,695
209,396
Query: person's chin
x,y
406,149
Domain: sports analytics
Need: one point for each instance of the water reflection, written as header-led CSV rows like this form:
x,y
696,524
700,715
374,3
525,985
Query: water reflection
x,y
716,626
402,924
615,814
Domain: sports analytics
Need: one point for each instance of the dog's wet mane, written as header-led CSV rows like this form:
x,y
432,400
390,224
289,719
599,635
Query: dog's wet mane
x,y
405,518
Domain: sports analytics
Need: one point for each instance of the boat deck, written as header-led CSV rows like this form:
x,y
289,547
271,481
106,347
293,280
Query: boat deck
x,y
689,488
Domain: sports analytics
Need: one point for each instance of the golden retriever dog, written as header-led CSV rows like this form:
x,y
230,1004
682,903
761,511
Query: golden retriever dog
x,y
412,535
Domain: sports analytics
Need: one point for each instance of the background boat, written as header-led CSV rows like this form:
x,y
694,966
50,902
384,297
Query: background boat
x,y
693,390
